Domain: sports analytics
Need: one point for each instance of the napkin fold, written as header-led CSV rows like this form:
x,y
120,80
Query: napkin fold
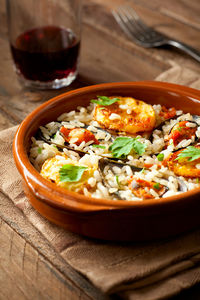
x,y
150,271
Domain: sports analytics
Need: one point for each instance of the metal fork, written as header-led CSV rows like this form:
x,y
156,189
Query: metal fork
x,y
146,36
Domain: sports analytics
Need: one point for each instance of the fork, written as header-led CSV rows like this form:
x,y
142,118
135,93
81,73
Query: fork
x,y
144,35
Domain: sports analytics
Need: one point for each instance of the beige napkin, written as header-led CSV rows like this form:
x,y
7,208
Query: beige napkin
x,y
150,271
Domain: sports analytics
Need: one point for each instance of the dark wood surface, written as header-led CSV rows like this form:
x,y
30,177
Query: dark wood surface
x,y
106,56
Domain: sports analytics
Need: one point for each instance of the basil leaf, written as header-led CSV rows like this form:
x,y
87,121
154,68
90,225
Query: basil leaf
x,y
122,146
105,101
191,152
71,173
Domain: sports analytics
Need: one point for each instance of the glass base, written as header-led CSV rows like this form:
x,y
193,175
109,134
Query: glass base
x,y
42,85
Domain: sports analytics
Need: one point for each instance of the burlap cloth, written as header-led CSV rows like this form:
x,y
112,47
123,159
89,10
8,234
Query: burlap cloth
x,y
154,270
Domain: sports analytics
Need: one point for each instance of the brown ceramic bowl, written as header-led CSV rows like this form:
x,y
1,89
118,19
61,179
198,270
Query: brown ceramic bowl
x,y
102,218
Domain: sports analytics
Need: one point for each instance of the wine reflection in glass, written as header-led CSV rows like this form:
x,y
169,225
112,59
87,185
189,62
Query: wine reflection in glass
x,y
45,56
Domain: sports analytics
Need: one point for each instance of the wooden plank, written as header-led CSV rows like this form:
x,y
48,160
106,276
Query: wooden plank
x,y
181,10
46,283
114,62
30,265
106,56
153,17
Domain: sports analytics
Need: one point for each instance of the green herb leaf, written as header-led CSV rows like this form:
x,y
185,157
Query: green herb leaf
x,y
71,173
139,147
197,180
105,101
117,180
191,152
98,146
122,146
179,128
156,186
160,157
39,150
143,169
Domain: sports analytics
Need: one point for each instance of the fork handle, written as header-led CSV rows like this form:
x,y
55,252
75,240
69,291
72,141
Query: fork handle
x,y
185,48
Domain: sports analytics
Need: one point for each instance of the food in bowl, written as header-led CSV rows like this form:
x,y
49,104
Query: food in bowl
x,y
126,115
120,148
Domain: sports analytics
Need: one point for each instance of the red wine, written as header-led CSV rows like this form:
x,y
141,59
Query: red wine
x,y
46,53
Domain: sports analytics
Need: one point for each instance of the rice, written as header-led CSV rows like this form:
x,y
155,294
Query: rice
x,y
92,181
188,124
114,117
114,182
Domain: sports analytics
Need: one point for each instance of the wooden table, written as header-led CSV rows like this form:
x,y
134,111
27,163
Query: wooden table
x,y
106,56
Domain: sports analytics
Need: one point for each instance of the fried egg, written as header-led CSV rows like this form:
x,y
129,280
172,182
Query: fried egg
x,y
127,115
51,167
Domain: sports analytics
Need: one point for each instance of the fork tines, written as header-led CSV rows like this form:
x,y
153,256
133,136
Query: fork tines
x,y
135,28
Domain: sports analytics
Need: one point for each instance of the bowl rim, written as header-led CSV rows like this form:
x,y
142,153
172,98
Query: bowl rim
x,y
46,191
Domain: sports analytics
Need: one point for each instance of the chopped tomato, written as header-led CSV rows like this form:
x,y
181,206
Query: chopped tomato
x,y
141,188
167,113
147,166
78,135
180,132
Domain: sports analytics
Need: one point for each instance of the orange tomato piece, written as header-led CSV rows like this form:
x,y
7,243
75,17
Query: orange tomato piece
x,y
141,188
180,132
78,135
167,113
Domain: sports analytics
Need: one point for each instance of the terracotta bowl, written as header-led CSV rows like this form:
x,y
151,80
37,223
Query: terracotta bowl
x,y
102,218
